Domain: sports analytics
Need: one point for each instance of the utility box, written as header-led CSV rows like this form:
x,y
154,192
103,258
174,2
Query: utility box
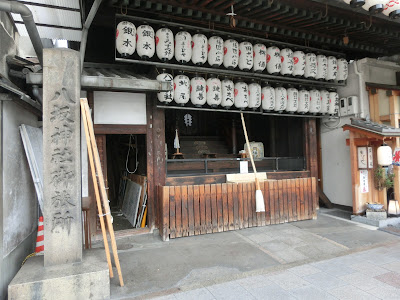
x,y
352,105
343,107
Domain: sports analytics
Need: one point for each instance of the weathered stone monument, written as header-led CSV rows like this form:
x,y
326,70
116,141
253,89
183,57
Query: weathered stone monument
x,y
64,273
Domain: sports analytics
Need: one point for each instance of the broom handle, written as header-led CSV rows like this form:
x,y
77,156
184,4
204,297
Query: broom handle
x,y
251,154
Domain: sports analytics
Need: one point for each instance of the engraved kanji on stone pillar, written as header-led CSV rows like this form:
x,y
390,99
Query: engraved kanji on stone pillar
x,y
61,154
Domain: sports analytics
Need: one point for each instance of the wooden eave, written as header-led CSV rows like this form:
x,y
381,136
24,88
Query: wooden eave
x,y
370,135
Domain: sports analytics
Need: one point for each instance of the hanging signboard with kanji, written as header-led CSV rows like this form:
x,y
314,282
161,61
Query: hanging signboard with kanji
x,y
396,157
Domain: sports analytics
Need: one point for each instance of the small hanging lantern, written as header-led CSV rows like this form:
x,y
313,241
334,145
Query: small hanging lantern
x,y
311,65
322,67
385,156
393,208
274,63
183,47
125,38
280,99
255,95
198,91
165,97
324,102
287,62
245,56
355,3
260,57
304,101
333,103
315,101
241,95
332,68
374,6
342,70
164,44
145,43
268,97
293,100
181,89
214,93
392,9
199,51
215,51
231,54
228,88
299,60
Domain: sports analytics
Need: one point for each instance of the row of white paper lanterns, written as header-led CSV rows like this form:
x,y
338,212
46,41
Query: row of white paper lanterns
x,y
229,53
390,8
226,93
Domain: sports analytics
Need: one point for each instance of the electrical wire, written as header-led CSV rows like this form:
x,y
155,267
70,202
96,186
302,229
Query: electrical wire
x,y
333,127
127,157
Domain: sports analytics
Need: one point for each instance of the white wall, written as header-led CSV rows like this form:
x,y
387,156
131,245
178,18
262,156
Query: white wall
x,y
336,170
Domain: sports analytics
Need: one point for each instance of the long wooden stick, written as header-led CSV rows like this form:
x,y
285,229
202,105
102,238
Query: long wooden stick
x,y
250,153
103,191
96,190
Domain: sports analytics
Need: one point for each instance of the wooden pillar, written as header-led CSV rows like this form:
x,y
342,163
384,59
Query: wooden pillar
x,y
151,189
394,121
354,174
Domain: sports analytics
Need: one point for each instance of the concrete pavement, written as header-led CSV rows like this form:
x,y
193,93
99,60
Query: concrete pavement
x,y
328,257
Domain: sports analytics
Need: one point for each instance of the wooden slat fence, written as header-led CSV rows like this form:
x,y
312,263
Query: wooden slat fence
x,y
200,209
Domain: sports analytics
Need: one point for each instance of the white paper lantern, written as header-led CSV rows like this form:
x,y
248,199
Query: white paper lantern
x,y
299,60
392,9
280,99
332,68
274,63
215,51
255,95
374,6
342,70
145,43
183,47
165,44
268,98
245,56
198,91
322,67
355,3
228,93
293,100
199,50
125,38
181,89
287,61
241,95
384,154
315,101
231,54
324,102
311,66
165,97
260,57
304,101
214,93
333,103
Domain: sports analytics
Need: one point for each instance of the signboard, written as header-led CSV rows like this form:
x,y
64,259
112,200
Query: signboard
x,y
364,181
396,157
370,158
362,157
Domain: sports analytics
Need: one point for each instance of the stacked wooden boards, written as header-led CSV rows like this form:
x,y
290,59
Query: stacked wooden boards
x,y
201,209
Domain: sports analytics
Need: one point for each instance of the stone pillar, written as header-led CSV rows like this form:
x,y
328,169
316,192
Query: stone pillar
x,y
62,157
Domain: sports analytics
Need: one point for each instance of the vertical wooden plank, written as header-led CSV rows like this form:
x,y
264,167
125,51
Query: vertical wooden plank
x,y
165,210
261,215
289,198
302,199
298,199
185,216
207,192
249,203
202,202
285,200
196,209
160,195
281,202
235,195
277,203
306,199
220,215
310,198
151,187
294,199
271,186
314,198
190,210
240,202
230,207
245,207
225,196
267,213
172,212
178,211
253,205
214,210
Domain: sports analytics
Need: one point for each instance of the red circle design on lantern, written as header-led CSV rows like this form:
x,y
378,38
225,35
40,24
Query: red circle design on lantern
x,y
254,54
240,52
268,58
296,60
157,40
209,48
282,58
225,50
236,92
174,85
190,88
137,37
262,96
117,33
206,88
192,44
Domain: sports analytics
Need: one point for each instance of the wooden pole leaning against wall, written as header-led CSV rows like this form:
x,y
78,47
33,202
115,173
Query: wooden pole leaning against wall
x,y
104,197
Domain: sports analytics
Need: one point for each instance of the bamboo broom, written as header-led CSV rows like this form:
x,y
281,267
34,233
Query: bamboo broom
x,y
260,205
